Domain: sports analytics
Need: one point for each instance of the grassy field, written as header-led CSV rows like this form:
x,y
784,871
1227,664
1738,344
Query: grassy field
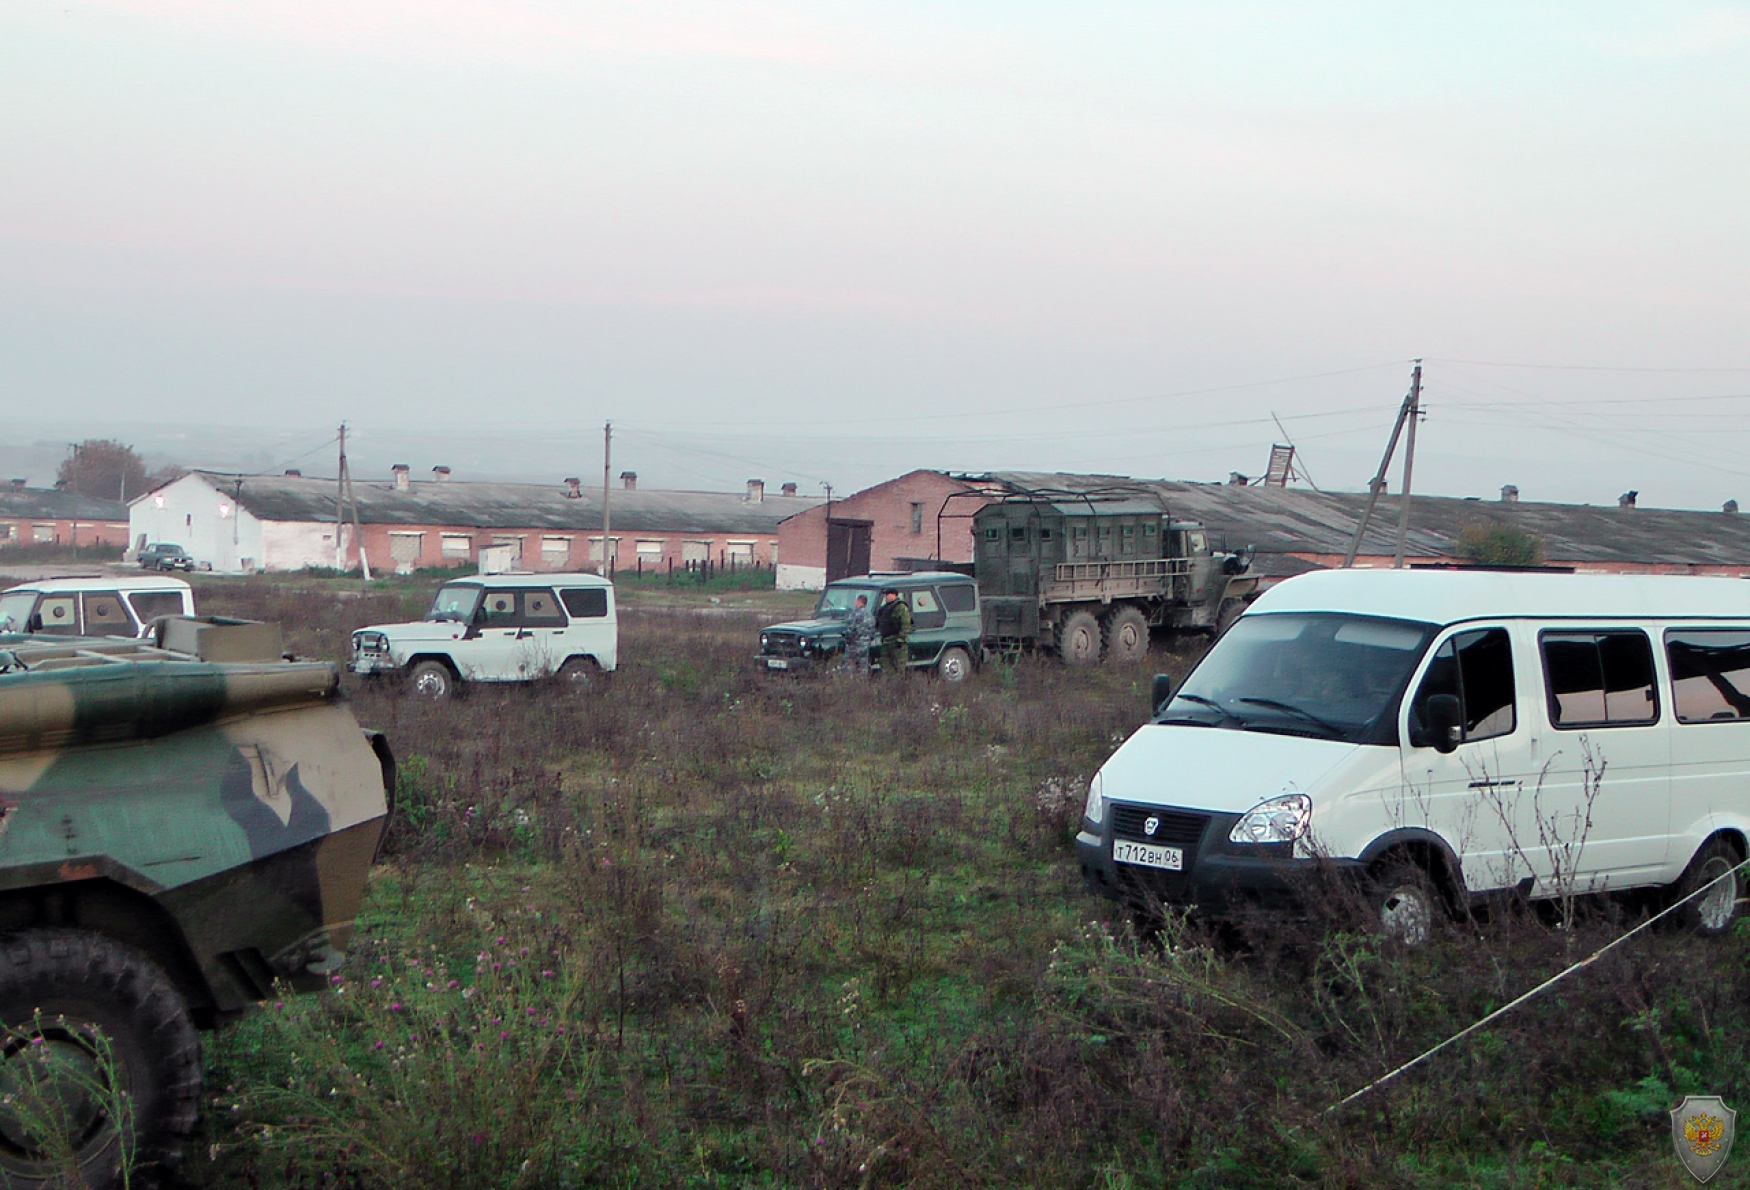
x,y
699,928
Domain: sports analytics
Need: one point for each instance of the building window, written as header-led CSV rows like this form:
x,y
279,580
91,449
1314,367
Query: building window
x,y
650,552
404,549
515,544
595,550
42,532
738,553
917,517
555,551
454,545
6,531
695,552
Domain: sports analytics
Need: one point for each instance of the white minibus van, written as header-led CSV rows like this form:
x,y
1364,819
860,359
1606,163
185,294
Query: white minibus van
x,y
1444,736
93,605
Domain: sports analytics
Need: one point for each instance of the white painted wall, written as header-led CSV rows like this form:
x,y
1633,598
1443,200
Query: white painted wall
x,y
800,578
293,545
202,519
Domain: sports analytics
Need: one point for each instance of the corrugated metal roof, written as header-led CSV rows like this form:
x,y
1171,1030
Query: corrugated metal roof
x,y
55,504
510,505
1291,520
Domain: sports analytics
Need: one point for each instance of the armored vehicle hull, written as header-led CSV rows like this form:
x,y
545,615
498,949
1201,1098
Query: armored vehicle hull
x,y
177,838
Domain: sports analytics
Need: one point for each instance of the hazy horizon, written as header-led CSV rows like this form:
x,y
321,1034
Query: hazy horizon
x,y
830,243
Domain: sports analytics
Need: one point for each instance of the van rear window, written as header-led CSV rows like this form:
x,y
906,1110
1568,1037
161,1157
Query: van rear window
x,y
585,602
149,605
1710,675
1599,679
958,597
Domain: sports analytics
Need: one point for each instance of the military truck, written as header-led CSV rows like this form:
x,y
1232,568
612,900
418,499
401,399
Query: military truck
x,y
179,837
1088,574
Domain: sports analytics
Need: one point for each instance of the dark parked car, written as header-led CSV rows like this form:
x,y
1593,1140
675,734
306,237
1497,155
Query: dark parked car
x,y
165,555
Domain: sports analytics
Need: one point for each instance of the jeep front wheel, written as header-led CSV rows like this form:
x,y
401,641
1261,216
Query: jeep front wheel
x,y
431,679
100,1075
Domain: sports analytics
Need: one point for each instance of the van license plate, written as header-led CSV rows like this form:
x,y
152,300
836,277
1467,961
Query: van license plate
x,y
777,663
1148,855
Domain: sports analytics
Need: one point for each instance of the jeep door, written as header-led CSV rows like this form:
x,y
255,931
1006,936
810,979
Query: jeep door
x,y
490,651
540,634
593,631
928,623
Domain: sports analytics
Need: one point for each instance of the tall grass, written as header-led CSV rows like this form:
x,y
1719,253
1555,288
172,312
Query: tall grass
x,y
694,927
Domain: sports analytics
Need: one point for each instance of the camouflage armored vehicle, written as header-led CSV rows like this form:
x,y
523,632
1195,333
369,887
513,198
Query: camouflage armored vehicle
x,y
177,837
1088,574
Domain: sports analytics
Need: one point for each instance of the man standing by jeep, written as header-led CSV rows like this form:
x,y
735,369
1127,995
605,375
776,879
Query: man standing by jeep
x,y
859,635
893,621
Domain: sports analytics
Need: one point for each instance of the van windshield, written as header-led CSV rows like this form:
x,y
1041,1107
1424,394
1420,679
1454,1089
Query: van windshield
x,y
1330,676
455,601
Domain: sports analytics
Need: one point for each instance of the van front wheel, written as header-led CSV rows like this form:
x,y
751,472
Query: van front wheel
x,y
1405,904
431,679
1714,911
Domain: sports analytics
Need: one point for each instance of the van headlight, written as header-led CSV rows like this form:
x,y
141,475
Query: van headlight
x,y
1279,820
1095,810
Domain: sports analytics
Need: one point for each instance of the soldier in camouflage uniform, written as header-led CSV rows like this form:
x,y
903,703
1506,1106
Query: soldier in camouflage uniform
x,y
893,621
859,635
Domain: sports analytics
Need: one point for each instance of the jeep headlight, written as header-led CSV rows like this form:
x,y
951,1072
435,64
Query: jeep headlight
x,y
765,640
1279,820
1095,810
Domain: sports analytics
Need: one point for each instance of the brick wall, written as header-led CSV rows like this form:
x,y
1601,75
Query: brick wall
x,y
37,530
902,515
407,547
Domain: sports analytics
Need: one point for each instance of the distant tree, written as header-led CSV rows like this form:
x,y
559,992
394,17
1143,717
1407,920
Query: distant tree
x,y
1499,545
103,468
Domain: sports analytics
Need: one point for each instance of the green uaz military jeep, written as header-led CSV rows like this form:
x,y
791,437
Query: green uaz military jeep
x,y
944,625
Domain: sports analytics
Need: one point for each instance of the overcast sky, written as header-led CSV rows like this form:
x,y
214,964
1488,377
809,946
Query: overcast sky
x,y
831,242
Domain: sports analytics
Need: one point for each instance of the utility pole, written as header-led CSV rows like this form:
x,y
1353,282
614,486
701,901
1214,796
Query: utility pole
x,y
75,501
340,504
1377,485
1409,464
607,461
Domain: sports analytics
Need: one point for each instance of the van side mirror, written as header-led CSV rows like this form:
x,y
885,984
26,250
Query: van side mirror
x,y
1159,692
1445,725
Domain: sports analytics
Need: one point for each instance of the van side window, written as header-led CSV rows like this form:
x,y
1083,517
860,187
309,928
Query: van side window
x,y
585,602
57,615
498,609
958,597
1599,679
1710,675
541,610
1477,669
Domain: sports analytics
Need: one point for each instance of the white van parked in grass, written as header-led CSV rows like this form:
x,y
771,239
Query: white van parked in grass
x,y
499,628
1446,736
97,605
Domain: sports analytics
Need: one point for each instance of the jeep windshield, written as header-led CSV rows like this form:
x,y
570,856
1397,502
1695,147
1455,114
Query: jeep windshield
x,y
1329,676
15,610
836,602
455,601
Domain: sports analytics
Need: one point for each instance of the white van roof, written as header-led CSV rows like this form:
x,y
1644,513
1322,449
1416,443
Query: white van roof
x,y
1453,596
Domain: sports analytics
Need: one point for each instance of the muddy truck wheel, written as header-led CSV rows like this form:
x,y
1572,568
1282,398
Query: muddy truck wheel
x,y
100,1075
1078,639
1126,636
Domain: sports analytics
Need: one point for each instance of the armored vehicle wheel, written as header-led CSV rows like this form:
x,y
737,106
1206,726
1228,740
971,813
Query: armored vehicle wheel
x,y
1713,912
1126,636
954,665
1405,903
579,673
1078,639
433,680
95,1034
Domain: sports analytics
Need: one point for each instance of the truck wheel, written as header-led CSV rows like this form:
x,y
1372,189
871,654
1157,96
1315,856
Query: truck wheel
x,y
1405,903
954,665
1126,636
96,1042
1712,913
432,679
1078,639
